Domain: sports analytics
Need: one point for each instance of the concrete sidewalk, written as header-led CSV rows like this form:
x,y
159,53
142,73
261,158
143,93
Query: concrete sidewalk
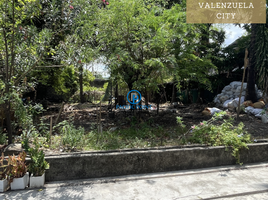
x,y
232,182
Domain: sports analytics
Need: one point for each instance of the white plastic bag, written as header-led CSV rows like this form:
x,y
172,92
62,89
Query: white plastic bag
x,y
254,111
214,110
249,109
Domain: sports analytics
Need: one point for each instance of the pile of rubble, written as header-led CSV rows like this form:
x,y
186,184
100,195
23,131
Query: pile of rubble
x,y
232,91
229,98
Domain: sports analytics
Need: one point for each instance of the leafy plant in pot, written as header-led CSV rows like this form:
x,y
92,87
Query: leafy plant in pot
x,y
37,167
19,176
4,174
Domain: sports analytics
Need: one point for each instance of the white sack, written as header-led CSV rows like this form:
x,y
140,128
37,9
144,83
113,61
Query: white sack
x,y
214,110
225,104
254,111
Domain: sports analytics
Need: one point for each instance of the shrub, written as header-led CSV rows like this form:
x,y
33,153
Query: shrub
x,y
213,134
70,135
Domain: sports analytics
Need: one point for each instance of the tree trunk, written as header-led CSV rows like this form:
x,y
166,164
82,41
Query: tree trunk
x,y
8,121
130,86
81,84
7,85
251,93
116,95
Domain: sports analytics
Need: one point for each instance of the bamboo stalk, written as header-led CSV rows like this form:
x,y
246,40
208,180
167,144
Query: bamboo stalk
x,y
241,90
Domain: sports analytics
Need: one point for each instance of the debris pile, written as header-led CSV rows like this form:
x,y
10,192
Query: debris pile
x,y
232,92
229,98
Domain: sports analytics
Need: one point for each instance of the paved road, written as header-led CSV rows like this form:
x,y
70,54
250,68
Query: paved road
x,y
232,183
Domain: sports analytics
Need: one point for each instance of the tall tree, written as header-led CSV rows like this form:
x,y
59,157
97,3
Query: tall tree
x,y
193,57
23,46
21,49
136,42
261,56
79,46
257,59
251,92
144,43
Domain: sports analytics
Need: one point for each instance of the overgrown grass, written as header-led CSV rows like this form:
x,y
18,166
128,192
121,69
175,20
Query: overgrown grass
x,y
136,136
215,132
141,136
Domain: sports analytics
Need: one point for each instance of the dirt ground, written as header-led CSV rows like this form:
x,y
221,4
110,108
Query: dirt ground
x,y
86,115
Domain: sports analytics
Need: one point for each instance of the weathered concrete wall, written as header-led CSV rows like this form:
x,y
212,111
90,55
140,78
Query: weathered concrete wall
x,y
101,164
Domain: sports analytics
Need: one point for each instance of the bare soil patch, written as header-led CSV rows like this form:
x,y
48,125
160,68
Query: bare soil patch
x,y
86,115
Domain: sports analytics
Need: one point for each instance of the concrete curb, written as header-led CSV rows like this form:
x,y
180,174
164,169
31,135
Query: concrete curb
x,y
116,163
153,175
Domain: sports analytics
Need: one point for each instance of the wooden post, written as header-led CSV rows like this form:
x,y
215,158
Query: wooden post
x,y
241,90
50,131
61,108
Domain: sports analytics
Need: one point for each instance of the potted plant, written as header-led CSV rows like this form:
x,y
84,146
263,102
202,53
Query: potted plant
x,y
37,167
4,172
18,171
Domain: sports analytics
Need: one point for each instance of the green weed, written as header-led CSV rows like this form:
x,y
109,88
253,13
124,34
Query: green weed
x,y
225,134
71,136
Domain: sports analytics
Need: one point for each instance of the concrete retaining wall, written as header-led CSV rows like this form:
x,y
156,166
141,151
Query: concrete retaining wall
x,y
101,164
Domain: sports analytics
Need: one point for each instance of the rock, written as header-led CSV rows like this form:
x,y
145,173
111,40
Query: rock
x,y
13,149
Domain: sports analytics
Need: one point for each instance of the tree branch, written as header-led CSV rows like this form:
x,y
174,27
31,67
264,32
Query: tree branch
x,y
25,73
